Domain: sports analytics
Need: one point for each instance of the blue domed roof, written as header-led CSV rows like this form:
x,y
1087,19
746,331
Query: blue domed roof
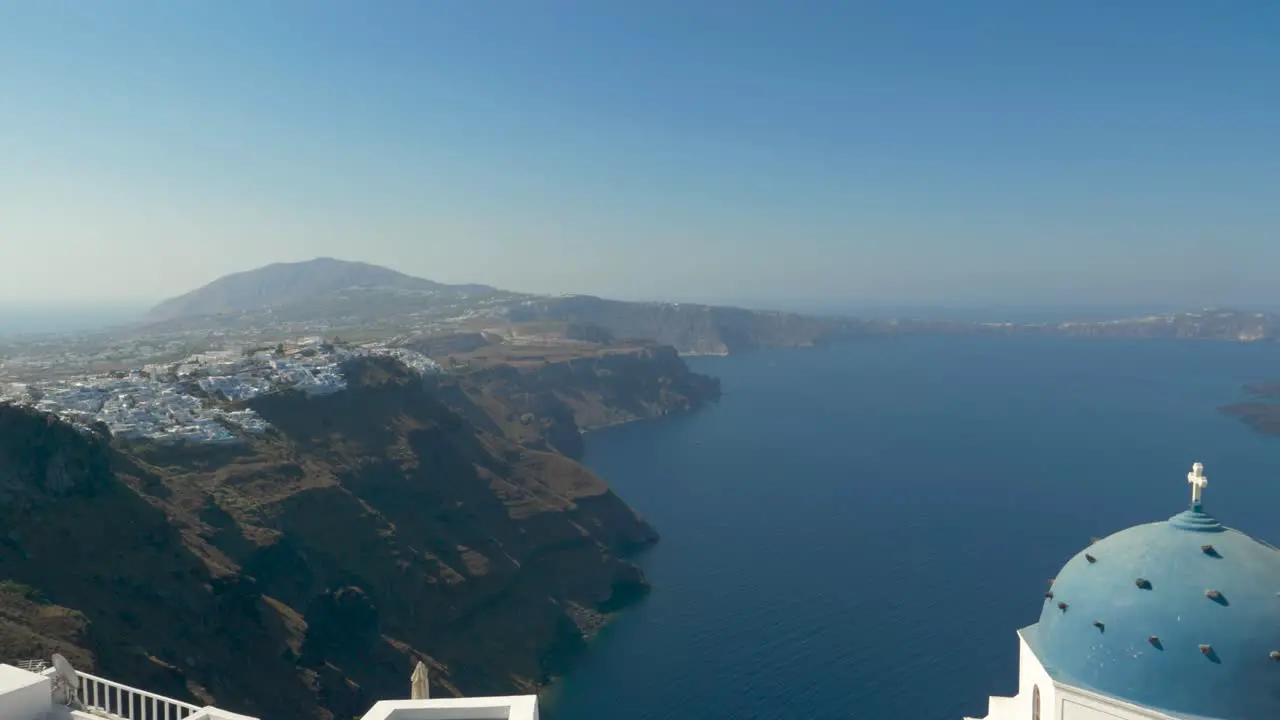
x,y
1182,616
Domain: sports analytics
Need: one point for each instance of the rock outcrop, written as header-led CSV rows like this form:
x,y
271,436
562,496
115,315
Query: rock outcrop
x,y
546,397
306,571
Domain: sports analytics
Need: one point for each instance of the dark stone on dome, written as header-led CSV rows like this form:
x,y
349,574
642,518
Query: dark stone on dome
x,y
1090,558
1226,679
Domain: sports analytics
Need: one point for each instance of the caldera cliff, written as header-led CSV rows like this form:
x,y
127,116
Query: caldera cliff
x,y
303,572
546,396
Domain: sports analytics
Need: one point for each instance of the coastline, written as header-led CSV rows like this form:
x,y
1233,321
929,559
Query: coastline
x,y
588,429
684,597
597,621
584,431
381,395
593,622
700,353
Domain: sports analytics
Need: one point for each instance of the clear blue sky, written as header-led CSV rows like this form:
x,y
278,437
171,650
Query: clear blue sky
x,y
929,152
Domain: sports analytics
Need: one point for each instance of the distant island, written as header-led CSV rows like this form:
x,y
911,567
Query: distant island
x,y
1263,413
1269,390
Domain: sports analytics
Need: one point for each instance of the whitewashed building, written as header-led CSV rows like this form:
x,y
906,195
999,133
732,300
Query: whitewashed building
x,y
1171,620
34,692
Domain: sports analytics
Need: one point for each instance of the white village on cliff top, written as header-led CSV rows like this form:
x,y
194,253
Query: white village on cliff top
x,y
183,400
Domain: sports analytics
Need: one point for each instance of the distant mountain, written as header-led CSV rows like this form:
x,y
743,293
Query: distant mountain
x,y
292,284
370,300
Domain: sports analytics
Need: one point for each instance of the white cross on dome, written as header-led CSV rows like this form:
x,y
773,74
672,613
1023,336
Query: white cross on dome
x,y
1198,482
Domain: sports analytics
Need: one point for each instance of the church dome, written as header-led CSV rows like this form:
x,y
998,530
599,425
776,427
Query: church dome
x,y
1181,615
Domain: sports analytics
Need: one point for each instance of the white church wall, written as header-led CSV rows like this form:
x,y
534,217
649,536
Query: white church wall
x,y
1058,701
1079,704
1032,677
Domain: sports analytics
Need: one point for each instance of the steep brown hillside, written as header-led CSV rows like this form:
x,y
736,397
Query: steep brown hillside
x,y
303,573
126,585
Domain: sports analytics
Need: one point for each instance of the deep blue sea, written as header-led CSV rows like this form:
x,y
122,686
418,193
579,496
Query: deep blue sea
x,y
857,531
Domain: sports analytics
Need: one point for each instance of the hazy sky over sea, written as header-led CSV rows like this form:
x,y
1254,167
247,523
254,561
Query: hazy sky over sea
x,y
911,152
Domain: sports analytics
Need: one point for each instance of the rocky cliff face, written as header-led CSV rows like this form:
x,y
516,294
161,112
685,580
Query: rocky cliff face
x,y
545,398
690,328
304,572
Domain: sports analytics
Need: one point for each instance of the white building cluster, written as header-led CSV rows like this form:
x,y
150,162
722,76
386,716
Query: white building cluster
x,y
413,360
195,399
135,406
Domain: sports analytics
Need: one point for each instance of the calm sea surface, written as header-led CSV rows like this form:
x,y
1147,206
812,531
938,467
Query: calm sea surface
x,y
21,320
857,531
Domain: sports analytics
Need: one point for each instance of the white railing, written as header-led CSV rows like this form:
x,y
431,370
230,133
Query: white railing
x,y
129,703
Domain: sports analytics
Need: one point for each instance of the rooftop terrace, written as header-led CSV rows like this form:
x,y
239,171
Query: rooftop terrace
x,y
33,691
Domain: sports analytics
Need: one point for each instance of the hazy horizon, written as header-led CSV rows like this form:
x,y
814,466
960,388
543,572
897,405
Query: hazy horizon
x,y
59,318
915,153
63,315
133,308
124,310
